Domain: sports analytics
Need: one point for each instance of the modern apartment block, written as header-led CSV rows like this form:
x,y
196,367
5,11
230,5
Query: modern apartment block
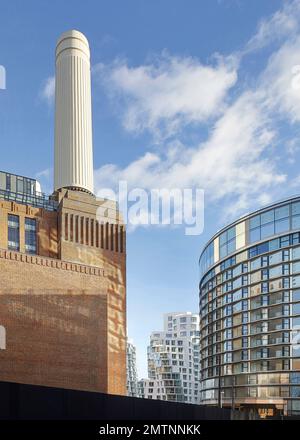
x,y
132,380
250,312
63,257
173,360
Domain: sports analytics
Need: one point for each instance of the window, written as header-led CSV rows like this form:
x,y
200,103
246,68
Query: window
x,y
267,217
267,230
254,235
244,330
296,309
237,295
285,241
30,235
296,295
228,322
282,225
296,208
296,281
245,292
282,212
256,264
8,182
296,222
296,253
245,317
295,239
20,184
237,270
237,307
13,232
286,269
254,222
275,258
275,271
274,244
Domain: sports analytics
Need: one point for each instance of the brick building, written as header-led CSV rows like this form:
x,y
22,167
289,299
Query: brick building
x,y
63,257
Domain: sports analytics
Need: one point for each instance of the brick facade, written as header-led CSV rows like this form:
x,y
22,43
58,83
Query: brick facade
x,y
64,310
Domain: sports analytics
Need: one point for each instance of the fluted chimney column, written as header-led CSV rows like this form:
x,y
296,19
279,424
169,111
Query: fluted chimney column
x,y
73,162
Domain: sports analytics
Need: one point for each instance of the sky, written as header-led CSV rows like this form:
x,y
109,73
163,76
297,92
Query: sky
x,y
186,94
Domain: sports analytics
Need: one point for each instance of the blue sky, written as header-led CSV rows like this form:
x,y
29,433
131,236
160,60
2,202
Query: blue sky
x,y
185,94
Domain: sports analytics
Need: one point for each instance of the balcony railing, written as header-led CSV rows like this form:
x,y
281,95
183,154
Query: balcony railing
x,y
39,200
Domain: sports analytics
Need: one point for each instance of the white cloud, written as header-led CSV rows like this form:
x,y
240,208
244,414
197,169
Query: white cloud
x,y
231,161
295,183
48,90
46,173
283,23
242,159
281,80
170,93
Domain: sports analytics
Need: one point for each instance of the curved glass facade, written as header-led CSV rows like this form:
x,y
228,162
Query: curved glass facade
x,y
250,312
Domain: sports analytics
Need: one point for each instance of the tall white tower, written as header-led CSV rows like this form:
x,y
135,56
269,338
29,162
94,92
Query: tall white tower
x,y
73,162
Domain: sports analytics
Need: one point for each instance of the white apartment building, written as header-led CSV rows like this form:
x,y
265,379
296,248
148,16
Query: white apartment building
x,y
131,369
173,360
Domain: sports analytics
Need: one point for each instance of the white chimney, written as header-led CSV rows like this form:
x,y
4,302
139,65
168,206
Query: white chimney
x,y
73,162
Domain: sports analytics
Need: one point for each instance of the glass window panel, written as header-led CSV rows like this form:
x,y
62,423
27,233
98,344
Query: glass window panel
x,y
13,232
237,283
253,251
285,241
296,267
223,238
238,307
8,182
254,222
276,258
223,251
296,323
296,253
267,230
296,208
296,295
275,271
254,235
262,248
20,185
282,225
296,281
267,217
231,246
295,392
255,290
231,233
274,244
296,222
282,212
255,264
237,270
296,309
237,295
255,277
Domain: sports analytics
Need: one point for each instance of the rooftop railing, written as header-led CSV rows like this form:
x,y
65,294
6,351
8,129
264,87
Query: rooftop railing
x,y
39,200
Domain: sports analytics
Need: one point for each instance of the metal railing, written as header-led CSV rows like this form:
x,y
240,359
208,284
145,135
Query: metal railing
x,y
39,200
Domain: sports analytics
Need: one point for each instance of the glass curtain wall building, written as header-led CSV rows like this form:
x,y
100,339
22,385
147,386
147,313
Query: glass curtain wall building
x,y
250,312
